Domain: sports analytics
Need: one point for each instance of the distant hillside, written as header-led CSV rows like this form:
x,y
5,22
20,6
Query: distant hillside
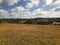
x,y
31,21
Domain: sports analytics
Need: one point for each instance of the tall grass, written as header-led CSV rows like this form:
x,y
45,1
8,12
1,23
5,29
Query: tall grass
x,y
37,36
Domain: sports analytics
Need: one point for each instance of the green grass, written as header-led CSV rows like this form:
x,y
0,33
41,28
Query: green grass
x,y
29,37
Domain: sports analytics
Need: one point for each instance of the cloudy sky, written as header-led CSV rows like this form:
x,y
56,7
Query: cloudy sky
x,y
29,9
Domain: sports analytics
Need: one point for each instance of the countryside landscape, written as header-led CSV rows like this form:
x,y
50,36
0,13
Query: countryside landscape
x,y
29,22
30,31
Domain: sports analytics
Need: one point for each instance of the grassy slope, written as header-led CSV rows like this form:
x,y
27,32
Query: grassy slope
x,y
20,34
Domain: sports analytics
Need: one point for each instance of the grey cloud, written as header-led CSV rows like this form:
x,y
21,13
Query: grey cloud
x,y
58,9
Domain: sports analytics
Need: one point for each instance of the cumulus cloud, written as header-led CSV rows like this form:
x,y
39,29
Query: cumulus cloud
x,y
9,2
46,14
18,9
49,2
56,1
24,12
56,8
20,12
52,2
52,13
4,14
32,3
0,1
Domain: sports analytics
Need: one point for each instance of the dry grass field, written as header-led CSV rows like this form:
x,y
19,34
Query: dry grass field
x,y
29,34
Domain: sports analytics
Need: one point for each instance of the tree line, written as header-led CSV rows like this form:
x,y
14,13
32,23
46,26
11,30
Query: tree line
x,y
31,21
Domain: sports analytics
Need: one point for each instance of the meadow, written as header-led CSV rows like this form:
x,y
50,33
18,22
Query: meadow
x,y
29,34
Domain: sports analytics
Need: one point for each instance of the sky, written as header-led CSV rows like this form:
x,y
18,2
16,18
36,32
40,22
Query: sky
x,y
29,9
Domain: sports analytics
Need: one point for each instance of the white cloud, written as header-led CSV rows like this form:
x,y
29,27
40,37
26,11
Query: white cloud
x,y
20,12
9,2
56,8
0,1
32,3
35,2
4,14
57,2
52,2
29,5
18,9
53,14
39,13
48,2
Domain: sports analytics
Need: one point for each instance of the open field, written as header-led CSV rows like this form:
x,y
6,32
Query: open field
x,y
29,34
